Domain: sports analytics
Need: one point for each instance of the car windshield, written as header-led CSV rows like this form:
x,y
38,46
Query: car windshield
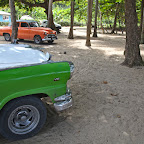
x,y
34,24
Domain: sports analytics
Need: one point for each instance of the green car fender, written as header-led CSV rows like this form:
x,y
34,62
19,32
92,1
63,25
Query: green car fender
x,y
48,78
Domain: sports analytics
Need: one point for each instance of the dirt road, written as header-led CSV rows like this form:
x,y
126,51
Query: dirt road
x,y
108,98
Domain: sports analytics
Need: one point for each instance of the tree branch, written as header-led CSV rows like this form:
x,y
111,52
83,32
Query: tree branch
x,y
36,4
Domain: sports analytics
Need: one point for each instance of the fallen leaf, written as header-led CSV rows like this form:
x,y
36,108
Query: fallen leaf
x,y
114,94
79,131
118,116
105,82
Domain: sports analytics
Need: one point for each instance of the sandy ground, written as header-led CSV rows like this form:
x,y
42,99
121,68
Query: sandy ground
x,y
108,98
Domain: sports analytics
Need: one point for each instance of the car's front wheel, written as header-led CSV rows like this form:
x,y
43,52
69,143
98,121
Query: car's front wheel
x,y
22,118
37,39
7,37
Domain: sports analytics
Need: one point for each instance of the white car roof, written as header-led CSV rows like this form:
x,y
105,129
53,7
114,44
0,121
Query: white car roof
x,y
17,55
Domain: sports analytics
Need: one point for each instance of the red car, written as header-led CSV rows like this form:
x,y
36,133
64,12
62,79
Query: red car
x,y
30,30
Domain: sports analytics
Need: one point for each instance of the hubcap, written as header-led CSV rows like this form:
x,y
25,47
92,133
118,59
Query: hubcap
x,y
37,40
23,119
7,37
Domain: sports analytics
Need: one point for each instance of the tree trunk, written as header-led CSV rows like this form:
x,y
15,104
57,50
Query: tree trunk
x,y
109,20
70,36
89,17
46,12
50,16
142,8
13,21
132,50
142,23
101,22
95,25
115,20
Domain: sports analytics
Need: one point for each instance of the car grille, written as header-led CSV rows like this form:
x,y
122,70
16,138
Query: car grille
x,y
51,36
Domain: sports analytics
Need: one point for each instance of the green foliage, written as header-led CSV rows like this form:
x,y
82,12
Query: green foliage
x,y
4,23
36,12
4,3
61,11
66,23
61,14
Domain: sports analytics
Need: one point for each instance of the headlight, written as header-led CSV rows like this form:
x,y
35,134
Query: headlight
x,y
45,33
71,67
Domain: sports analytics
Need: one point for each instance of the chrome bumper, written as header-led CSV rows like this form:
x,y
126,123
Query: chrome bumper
x,y
49,37
63,102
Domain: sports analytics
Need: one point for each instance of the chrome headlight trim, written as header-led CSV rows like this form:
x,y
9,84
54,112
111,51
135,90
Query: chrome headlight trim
x,y
45,33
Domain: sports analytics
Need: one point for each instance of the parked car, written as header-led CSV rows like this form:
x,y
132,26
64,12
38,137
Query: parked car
x,y
26,76
44,24
29,29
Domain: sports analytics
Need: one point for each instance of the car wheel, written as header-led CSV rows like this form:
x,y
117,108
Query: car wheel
x,y
7,37
50,41
37,39
22,118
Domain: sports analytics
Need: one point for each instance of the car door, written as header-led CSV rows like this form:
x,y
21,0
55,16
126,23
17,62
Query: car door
x,y
24,31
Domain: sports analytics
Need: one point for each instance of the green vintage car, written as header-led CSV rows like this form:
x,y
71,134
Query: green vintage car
x,y
27,75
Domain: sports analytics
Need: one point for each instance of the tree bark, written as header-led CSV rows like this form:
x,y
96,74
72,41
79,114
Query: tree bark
x,y
142,23
46,8
101,21
95,25
70,36
109,20
115,20
89,17
132,50
13,21
50,16
142,8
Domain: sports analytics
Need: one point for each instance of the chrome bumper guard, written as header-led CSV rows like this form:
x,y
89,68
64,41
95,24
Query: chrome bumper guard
x,y
63,102
50,37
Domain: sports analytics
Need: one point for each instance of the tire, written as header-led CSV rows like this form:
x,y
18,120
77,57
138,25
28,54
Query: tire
x,y
7,37
22,118
37,39
50,41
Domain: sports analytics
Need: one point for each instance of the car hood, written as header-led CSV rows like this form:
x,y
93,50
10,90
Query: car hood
x,y
42,28
48,30
18,55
